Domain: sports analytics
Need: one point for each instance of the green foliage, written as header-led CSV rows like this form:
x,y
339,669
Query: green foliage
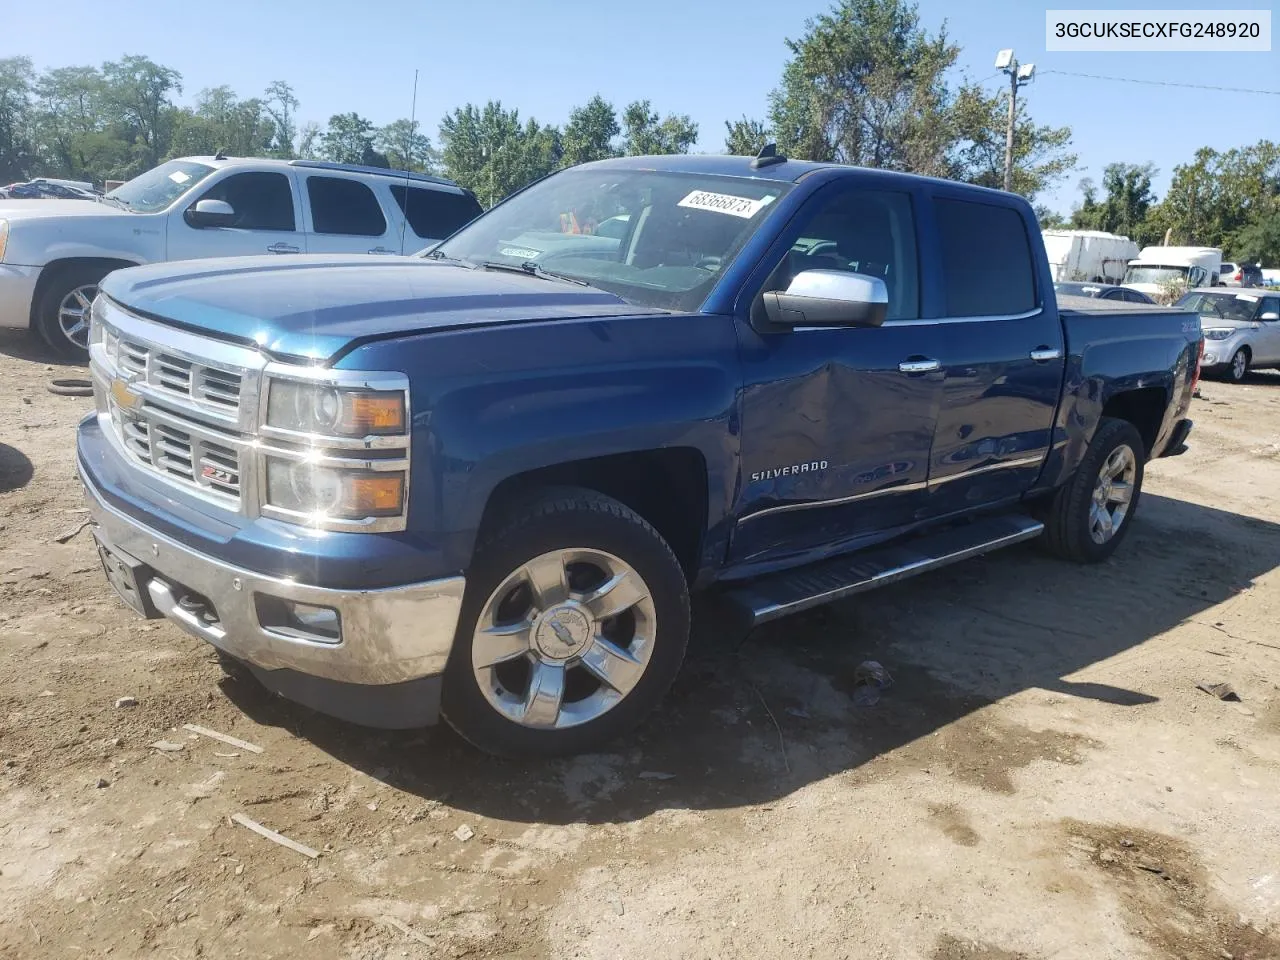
x,y
487,150
1126,205
405,147
16,149
590,132
979,124
744,138
349,139
644,133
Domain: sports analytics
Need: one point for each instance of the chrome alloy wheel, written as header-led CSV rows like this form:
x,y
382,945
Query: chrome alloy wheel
x,y
73,314
1239,365
1113,494
564,638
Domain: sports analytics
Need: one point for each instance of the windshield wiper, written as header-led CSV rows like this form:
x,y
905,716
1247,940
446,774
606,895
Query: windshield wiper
x,y
123,204
530,269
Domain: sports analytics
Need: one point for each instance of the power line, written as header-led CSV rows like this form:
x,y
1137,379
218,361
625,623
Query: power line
x,y
1161,83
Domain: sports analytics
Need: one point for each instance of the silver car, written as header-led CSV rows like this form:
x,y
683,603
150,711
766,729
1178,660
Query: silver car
x,y
1241,330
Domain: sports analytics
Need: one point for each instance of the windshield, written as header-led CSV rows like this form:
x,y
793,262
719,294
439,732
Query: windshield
x,y
157,188
654,239
1221,306
1078,289
1146,273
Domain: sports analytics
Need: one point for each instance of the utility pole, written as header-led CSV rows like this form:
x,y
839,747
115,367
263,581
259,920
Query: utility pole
x,y
1019,75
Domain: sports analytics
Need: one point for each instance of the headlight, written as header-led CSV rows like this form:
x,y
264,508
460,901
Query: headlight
x,y
306,488
4,237
1217,333
335,411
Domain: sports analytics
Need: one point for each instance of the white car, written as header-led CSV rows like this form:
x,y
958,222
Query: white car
x,y
54,253
1241,330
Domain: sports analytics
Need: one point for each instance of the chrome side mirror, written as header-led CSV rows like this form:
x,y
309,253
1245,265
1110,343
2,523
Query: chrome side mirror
x,y
836,298
211,213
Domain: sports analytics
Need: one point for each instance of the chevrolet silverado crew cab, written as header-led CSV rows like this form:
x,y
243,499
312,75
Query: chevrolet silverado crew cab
x,y
484,481
54,253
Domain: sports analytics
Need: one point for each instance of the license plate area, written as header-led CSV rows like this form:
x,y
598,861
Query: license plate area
x,y
127,577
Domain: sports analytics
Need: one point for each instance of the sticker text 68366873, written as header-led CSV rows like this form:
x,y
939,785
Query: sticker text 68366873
x,y
743,207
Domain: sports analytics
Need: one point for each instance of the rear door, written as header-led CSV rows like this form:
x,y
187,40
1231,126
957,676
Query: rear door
x,y
1004,354
345,216
267,217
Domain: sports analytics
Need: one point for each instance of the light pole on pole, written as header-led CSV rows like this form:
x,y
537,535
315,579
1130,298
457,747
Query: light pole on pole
x,y
1019,75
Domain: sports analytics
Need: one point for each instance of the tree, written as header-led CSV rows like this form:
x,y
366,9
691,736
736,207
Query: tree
x,y
16,149
866,85
222,123
72,134
487,150
281,106
1129,197
744,137
136,95
349,139
979,122
405,147
644,133
1259,242
1050,219
589,133
308,140
1217,196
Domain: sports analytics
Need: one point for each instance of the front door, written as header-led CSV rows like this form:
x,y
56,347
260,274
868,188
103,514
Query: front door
x,y
1003,359
837,422
1269,334
266,219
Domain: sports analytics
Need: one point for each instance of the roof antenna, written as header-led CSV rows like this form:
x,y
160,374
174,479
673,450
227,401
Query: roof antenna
x,y
767,157
408,161
220,155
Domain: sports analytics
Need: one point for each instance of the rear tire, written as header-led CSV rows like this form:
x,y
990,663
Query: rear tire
x,y
1089,516
573,627
62,315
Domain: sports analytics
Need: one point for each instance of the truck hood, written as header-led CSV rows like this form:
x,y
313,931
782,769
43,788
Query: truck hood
x,y
314,306
13,210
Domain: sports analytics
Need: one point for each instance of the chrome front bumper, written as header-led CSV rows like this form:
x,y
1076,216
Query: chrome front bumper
x,y
387,636
17,288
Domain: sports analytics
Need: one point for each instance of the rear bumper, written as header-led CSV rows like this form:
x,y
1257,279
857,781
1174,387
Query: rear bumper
x,y
383,666
17,288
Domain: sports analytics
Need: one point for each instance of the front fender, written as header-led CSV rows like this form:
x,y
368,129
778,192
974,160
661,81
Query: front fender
x,y
135,238
492,403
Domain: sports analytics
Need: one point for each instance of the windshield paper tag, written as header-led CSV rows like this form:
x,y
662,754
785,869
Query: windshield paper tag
x,y
523,252
1247,297
179,176
743,207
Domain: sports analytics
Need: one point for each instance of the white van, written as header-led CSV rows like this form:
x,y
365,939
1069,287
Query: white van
x,y
1158,268
1094,256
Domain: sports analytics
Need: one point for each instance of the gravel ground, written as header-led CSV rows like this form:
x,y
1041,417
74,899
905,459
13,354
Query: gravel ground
x,y
1042,780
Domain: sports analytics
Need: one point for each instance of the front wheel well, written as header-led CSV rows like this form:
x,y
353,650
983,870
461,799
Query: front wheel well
x,y
55,268
1144,408
667,487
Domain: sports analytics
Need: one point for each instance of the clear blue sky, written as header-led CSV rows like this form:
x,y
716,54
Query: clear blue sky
x,y
711,59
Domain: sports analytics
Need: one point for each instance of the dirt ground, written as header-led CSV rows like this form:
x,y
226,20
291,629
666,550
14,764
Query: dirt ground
x,y
1042,780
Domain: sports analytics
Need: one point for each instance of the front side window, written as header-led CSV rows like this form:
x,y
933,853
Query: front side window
x,y
864,231
654,238
160,186
262,201
986,259
344,207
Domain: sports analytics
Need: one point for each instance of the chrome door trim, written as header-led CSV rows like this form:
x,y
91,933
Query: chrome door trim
x,y
1002,465
836,501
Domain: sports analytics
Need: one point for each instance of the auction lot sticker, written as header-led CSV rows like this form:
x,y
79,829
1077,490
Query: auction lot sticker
x,y
743,207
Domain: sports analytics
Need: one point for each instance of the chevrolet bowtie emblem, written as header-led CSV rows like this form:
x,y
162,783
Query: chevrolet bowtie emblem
x,y
124,395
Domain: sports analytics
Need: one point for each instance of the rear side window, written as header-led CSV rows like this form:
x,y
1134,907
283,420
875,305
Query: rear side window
x,y
345,207
986,259
435,214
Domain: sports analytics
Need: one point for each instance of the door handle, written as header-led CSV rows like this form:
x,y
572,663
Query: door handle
x,y
919,365
381,250
282,248
1044,354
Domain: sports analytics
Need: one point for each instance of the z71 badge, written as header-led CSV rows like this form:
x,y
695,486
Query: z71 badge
x,y
789,471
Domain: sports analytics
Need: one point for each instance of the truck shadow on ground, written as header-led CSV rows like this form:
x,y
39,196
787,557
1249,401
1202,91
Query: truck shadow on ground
x,y
26,345
751,720
15,469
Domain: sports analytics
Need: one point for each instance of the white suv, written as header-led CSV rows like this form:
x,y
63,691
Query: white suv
x,y
54,253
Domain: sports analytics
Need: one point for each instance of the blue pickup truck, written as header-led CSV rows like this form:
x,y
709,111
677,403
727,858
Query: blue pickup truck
x,y
483,482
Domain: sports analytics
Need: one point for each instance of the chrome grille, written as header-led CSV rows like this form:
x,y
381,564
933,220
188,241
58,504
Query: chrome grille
x,y
180,454
209,386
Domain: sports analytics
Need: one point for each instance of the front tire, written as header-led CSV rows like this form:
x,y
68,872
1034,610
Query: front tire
x,y
62,315
1238,371
1092,513
574,626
